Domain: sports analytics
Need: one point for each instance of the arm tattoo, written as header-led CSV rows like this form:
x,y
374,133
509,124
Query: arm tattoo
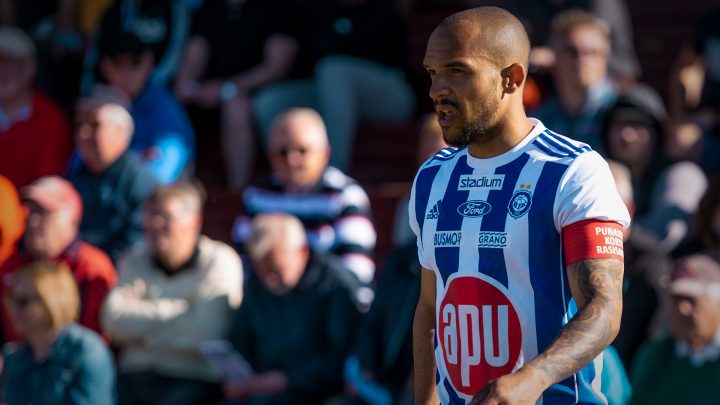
x,y
597,288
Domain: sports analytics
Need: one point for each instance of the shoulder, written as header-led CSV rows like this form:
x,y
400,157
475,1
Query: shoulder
x,y
352,193
651,352
94,260
135,262
551,146
443,158
214,251
84,346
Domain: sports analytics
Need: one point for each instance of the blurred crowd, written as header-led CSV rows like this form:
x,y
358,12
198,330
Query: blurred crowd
x,y
113,294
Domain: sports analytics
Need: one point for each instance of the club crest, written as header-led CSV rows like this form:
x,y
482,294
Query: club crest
x,y
520,203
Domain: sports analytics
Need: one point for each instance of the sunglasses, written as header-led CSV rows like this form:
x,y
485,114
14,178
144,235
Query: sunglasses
x,y
284,152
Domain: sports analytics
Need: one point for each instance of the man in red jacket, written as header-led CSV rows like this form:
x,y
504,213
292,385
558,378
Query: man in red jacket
x,y
35,138
51,233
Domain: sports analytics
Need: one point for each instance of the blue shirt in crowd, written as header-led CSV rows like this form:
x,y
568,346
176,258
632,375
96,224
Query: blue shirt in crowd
x,y
78,371
163,136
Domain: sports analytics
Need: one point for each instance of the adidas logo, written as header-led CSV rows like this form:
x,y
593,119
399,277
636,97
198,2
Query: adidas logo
x,y
434,212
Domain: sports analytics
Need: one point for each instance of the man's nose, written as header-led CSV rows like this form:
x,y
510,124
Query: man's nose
x,y
439,88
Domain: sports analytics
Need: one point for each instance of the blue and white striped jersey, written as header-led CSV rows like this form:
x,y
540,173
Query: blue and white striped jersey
x,y
491,231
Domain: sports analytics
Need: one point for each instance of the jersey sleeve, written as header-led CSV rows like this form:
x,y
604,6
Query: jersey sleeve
x,y
415,226
587,191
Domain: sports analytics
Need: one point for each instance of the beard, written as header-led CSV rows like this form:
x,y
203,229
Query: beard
x,y
479,129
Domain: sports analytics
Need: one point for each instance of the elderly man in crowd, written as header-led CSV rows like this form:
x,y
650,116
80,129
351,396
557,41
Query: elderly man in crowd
x,y
584,90
334,209
298,319
683,368
173,294
35,138
112,181
51,233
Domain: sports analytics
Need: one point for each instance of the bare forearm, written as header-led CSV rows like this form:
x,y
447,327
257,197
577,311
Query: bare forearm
x,y
424,358
597,288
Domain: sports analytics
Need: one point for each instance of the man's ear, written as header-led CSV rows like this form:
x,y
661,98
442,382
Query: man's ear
x,y
513,78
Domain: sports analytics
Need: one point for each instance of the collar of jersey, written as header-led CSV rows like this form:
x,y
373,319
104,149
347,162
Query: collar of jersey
x,y
510,155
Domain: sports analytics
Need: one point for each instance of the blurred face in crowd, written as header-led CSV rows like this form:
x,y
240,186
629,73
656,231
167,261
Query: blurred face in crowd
x,y
299,150
171,230
102,135
16,76
282,267
127,72
465,87
631,142
694,319
48,232
26,309
582,57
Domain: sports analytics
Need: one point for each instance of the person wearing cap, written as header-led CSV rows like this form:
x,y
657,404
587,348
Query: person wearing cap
x,y
35,137
666,193
163,135
54,211
683,368
112,181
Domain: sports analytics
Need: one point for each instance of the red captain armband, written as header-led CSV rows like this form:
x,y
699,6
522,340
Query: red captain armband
x,y
593,239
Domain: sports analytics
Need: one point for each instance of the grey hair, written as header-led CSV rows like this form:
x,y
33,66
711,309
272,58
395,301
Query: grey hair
x,y
268,230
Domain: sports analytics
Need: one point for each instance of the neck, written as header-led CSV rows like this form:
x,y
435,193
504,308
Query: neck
x,y
503,137
41,343
178,259
12,105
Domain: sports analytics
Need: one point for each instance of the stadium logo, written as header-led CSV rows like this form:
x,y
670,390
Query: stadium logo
x,y
434,212
520,203
479,332
447,239
474,208
492,239
481,181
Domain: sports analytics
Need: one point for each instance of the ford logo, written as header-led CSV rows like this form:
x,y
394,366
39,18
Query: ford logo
x,y
474,208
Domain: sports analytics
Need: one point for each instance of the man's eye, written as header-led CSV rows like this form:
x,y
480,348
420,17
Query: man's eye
x,y
455,71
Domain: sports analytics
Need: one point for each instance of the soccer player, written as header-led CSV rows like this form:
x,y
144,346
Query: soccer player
x,y
519,233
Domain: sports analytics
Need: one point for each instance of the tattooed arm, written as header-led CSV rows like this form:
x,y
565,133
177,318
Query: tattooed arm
x,y
596,285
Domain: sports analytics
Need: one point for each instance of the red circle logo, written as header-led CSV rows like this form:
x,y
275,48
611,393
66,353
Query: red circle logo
x,y
479,331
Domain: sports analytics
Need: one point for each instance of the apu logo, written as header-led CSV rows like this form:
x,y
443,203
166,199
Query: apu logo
x,y
481,181
479,331
474,208
520,203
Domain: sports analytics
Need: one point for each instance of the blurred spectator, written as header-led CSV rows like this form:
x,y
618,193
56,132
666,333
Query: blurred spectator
x,y
12,219
174,293
537,15
431,141
584,91
360,51
51,233
666,193
35,138
334,209
60,362
693,96
641,281
297,322
706,224
163,135
683,368
112,181
236,47
379,371
161,24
